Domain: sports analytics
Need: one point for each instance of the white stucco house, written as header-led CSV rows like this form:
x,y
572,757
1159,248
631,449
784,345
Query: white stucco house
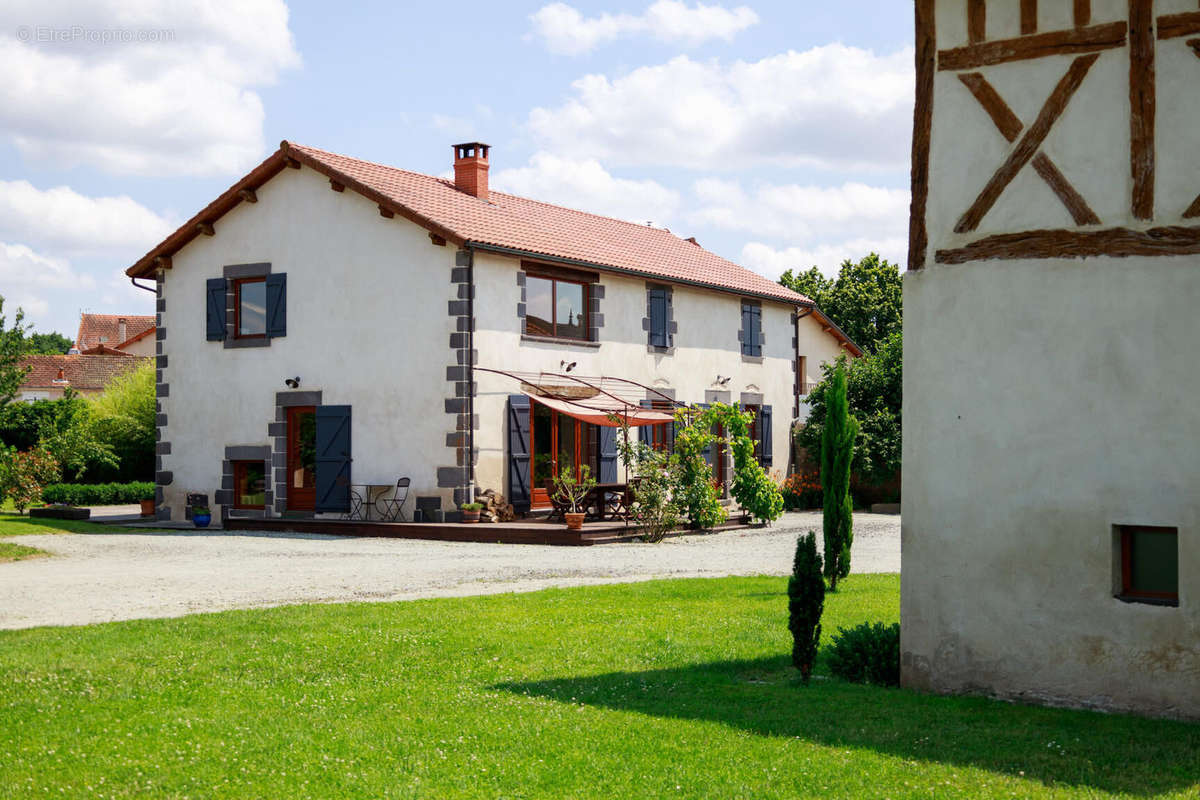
x,y
329,321
1051,518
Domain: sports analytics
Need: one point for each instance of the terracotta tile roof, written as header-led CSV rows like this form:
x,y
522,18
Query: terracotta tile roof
x,y
94,326
80,371
507,221
519,223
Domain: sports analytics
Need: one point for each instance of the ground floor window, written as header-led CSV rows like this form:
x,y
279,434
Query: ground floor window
x,y
558,441
662,437
1149,558
249,484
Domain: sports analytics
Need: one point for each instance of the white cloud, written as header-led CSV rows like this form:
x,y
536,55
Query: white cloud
x,y
831,106
176,99
62,221
771,262
30,278
797,211
587,186
565,30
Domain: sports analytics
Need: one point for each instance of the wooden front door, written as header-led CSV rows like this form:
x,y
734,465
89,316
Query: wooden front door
x,y
301,458
557,441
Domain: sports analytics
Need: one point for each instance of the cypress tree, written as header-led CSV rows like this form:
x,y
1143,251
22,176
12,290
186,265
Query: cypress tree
x,y
806,602
837,449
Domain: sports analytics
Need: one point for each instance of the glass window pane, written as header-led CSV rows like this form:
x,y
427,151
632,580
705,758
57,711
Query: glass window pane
x,y
1154,554
566,443
543,454
252,484
569,312
539,316
252,308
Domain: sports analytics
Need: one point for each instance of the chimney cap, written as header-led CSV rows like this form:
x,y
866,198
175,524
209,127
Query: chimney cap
x,y
471,149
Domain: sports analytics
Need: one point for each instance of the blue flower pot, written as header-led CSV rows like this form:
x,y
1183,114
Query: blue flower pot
x,y
201,520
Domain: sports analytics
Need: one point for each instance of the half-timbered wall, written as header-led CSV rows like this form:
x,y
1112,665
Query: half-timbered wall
x,y
1050,349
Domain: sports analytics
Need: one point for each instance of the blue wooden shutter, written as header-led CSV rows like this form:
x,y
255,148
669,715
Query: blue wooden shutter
x,y
276,305
764,437
215,309
747,331
518,452
607,440
708,449
333,458
658,318
756,326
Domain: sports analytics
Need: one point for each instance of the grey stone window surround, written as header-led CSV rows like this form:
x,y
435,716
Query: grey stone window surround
x,y
672,325
595,292
225,495
231,273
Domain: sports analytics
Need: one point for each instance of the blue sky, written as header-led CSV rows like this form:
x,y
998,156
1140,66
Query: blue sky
x,y
775,132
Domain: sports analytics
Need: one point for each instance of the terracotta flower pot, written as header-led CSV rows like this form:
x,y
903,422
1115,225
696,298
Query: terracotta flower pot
x,y
574,521
147,508
470,516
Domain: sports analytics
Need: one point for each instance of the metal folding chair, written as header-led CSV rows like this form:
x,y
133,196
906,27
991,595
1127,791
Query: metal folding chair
x,y
355,511
392,508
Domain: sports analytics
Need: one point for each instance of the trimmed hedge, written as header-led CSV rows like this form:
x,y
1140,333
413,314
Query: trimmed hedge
x,y
98,494
867,654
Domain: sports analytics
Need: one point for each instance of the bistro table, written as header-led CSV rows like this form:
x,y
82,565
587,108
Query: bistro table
x,y
608,509
371,494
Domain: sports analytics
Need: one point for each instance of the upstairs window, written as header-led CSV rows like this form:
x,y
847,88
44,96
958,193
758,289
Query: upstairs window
x,y
556,307
1149,561
250,308
752,337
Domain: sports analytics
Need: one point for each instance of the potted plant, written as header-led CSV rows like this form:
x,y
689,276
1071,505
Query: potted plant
x,y
573,493
147,501
201,516
470,511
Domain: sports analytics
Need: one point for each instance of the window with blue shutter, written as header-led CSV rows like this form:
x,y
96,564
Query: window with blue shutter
x,y
658,318
765,456
751,329
276,305
214,315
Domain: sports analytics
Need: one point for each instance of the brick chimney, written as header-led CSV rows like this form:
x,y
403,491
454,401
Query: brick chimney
x,y
121,337
471,168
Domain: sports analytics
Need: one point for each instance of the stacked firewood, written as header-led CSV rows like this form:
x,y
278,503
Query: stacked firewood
x,y
494,507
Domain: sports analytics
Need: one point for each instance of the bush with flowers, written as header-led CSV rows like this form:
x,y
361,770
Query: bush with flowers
x,y
802,490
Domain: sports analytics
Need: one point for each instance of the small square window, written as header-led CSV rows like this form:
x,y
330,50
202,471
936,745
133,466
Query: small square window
x,y
249,484
1148,557
250,308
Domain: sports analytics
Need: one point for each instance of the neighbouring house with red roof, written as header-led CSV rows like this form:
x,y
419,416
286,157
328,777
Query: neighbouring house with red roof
x,y
105,334
50,376
329,323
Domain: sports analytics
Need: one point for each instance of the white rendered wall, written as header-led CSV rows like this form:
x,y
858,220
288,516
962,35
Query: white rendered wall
x,y
367,326
1047,400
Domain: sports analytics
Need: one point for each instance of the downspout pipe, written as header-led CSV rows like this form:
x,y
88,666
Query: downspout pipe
x,y
143,288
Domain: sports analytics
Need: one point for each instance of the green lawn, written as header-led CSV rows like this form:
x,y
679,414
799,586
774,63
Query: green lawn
x,y
661,689
13,524
18,552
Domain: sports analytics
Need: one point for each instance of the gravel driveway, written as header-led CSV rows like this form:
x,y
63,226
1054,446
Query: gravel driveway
x,y
113,576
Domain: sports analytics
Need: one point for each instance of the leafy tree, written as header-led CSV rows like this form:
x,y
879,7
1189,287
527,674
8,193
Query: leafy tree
x,y
874,389
48,344
654,510
806,603
72,439
12,348
752,487
865,300
694,491
22,475
837,450
124,417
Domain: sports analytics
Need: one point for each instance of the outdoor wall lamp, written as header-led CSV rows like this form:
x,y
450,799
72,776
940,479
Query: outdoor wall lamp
x,y
723,381
292,383
565,367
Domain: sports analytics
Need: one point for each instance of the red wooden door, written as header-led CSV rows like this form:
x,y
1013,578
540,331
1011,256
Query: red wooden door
x,y
301,458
